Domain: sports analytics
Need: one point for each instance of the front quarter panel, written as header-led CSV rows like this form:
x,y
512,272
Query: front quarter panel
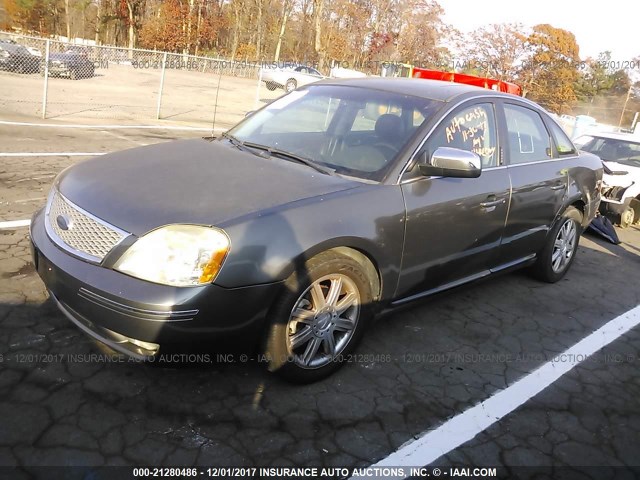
x,y
269,246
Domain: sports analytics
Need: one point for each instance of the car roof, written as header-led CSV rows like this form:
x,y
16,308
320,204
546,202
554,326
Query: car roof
x,y
418,87
626,137
11,46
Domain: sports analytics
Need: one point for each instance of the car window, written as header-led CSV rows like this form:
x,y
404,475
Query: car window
x,y
418,118
563,144
613,149
314,71
369,113
528,138
472,128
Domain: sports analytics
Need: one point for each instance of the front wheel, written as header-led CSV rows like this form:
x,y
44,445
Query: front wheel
x,y
319,319
626,217
558,253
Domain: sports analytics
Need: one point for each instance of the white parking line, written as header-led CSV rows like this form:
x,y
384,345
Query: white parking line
x,y
115,127
27,200
51,154
465,426
122,137
14,224
31,179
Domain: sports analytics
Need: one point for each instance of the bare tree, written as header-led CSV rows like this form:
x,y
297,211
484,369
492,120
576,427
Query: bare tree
x,y
320,49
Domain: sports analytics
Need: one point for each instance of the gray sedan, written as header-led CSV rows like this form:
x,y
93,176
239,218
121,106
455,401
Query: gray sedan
x,y
328,206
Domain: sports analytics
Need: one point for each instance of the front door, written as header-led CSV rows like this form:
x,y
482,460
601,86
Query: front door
x,y
454,225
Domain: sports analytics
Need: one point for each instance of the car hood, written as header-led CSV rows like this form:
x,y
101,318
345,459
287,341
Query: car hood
x,y
190,181
623,176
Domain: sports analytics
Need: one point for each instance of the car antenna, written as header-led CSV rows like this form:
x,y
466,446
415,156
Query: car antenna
x,y
215,106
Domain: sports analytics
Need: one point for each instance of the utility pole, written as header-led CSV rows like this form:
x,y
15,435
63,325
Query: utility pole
x,y
624,107
590,106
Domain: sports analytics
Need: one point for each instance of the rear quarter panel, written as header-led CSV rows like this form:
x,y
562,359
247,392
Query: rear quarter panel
x,y
584,176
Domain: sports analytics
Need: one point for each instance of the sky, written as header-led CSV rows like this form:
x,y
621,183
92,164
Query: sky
x,y
598,26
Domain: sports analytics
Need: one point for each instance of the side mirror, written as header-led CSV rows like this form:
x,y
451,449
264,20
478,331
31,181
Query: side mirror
x,y
451,162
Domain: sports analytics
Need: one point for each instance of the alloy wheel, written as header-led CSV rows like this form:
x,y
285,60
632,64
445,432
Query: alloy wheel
x,y
323,321
564,246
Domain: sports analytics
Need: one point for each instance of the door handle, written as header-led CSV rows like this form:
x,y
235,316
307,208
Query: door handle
x,y
559,186
492,201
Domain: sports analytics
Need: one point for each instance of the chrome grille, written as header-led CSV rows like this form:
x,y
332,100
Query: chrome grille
x,y
86,235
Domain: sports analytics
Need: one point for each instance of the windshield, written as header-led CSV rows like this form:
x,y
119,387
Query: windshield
x,y
612,149
352,130
10,47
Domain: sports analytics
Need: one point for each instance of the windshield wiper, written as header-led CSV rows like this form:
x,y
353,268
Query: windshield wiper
x,y
237,143
291,156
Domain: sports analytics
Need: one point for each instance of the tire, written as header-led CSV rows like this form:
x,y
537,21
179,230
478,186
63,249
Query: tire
x,y
554,260
291,85
312,344
626,217
635,204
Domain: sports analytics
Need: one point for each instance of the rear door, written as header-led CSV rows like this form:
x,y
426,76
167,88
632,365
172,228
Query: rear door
x,y
454,225
539,182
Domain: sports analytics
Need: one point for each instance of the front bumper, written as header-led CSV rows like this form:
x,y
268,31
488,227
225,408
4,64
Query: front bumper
x,y
8,64
134,316
59,69
614,207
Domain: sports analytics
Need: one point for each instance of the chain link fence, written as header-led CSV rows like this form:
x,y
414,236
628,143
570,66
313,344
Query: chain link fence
x,y
55,79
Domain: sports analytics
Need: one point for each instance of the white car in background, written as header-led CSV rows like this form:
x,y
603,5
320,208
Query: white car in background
x,y
620,155
34,51
289,77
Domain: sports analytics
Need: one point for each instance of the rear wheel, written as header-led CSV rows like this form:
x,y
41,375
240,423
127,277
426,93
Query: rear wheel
x,y
291,85
557,255
319,318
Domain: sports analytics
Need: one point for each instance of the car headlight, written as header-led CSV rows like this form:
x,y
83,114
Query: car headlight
x,y
177,255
